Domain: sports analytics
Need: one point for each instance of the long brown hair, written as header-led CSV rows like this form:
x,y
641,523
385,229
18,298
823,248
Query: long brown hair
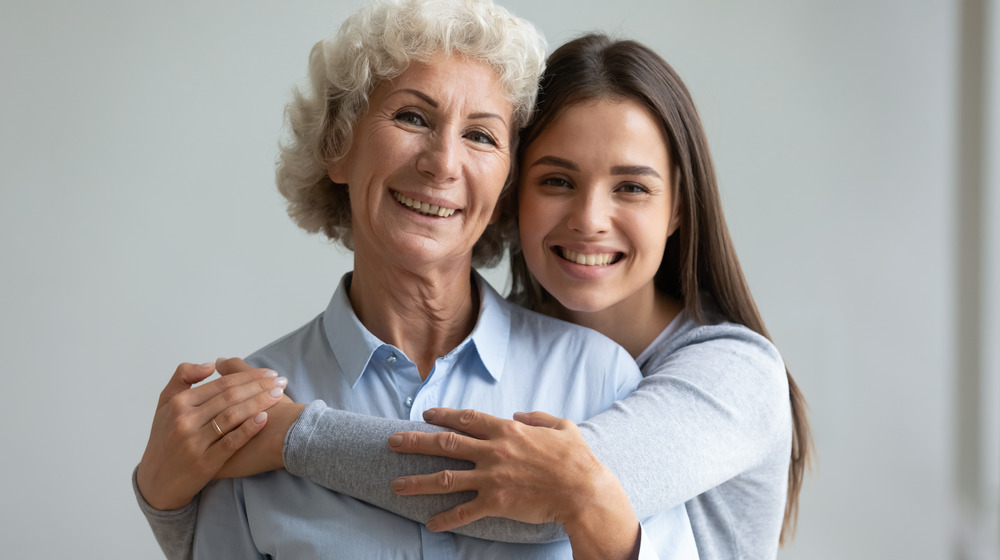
x,y
699,259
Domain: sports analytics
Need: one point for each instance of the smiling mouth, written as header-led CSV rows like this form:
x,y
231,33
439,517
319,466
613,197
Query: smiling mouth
x,y
594,259
422,207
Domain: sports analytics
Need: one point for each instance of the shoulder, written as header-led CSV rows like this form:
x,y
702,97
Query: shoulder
x,y
283,352
736,365
720,343
546,339
543,331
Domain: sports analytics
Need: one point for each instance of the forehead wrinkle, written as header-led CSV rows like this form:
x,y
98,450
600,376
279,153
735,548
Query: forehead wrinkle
x,y
426,98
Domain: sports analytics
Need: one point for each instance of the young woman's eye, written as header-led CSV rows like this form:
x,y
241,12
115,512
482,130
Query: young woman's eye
x,y
409,117
556,182
480,137
632,188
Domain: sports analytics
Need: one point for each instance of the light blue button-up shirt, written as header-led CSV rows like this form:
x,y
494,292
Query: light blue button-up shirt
x,y
514,360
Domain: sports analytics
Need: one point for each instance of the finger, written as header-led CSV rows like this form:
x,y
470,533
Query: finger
x,y
229,366
184,376
442,482
540,419
226,407
441,444
204,393
458,516
470,421
230,418
233,441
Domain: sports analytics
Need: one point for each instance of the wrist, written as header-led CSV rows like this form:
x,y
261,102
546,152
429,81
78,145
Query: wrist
x,y
602,523
285,417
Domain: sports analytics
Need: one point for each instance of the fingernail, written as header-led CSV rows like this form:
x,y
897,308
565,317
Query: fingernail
x,y
270,373
277,392
430,414
207,364
281,382
397,484
395,441
432,525
260,418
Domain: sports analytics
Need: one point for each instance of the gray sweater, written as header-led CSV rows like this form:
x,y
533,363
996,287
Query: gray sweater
x,y
709,426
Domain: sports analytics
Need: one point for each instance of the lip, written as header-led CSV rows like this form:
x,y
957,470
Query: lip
x,y
583,271
432,207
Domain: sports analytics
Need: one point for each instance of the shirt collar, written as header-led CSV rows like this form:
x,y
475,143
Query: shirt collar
x,y
353,344
491,335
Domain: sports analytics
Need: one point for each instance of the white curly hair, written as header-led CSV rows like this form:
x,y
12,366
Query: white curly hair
x,y
379,43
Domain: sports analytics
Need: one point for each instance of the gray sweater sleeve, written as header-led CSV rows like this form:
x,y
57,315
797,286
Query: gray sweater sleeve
x,y
713,404
347,452
710,405
174,530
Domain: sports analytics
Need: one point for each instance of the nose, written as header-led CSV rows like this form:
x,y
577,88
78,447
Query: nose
x,y
590,213
440,158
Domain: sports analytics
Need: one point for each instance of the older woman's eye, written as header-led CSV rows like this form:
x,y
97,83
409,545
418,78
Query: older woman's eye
x,y
409,117
480,137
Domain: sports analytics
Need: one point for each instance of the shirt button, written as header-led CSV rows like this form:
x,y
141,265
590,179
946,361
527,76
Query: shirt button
x,y
391,358
409,402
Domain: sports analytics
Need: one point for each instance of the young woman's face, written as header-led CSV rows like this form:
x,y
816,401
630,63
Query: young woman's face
x,y
597,205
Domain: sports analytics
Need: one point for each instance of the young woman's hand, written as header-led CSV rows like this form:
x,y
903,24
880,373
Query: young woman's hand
x,y
535,468
263,452
195,430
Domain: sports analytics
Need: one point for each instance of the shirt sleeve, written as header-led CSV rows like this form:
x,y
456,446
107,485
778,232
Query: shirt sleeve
x,y
646,549
173,529
223,531
708,409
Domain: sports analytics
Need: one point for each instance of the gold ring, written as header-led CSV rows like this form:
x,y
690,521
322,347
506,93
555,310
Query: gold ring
x,y
218,430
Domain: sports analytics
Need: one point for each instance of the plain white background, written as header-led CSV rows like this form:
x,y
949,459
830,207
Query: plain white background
x,y
140,227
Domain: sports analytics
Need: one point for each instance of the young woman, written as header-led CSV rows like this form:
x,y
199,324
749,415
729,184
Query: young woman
x,y
622,230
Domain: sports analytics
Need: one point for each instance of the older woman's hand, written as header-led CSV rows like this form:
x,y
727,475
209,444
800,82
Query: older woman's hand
x,y
195,430
535,468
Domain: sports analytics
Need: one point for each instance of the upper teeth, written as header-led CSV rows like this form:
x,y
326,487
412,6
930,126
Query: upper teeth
x,y
599,259
423,207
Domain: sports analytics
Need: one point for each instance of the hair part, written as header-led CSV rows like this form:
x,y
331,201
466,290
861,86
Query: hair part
x,y
378,43
699,258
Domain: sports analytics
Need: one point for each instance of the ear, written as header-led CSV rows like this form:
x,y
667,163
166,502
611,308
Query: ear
x,y
675,212
335,170
675,219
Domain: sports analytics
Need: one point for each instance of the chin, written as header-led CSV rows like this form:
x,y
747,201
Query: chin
x,y
581,304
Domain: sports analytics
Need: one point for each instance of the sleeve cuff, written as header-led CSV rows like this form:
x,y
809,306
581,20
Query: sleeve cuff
x,y
299,436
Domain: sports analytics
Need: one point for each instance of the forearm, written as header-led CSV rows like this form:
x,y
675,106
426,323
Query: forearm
x,y
174,530
347,453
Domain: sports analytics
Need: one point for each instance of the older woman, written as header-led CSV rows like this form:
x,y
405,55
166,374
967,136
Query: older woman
x,y
401,152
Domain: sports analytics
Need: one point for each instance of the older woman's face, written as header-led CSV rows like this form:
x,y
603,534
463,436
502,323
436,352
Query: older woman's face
x,y
427,163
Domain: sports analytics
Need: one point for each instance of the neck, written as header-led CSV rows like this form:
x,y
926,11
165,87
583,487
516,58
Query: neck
x,y
633,323
425,314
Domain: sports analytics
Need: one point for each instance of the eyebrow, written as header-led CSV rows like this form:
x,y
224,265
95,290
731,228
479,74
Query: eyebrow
x,y
634,170
430,101
556,162
615,170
